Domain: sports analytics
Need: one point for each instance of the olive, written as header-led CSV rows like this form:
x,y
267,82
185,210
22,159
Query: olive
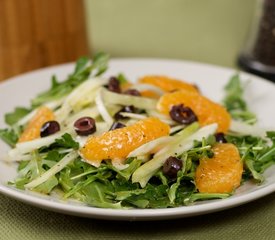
x,y
132,92
113,85
49,128
220,137
171,166
128,109
182,114
117,125
85,126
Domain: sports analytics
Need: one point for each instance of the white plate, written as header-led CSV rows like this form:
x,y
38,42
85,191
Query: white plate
x,y
210,79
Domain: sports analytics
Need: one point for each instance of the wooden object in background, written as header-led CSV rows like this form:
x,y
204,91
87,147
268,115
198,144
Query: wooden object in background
x,y
39,33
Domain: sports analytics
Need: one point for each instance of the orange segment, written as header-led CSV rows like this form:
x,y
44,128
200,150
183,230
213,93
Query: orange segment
x,y
117,144
222,173
207,111
167,84
126,85
32,130
149,94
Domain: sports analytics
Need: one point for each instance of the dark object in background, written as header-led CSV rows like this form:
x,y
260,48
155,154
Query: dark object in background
x,y
258,56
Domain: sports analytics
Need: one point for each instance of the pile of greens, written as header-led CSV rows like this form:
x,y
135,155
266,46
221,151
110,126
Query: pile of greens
x,y
109,187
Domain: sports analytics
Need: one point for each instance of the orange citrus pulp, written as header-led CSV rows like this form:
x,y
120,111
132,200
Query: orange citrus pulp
x,y
117,144
32,130
167,84
222,173
207,111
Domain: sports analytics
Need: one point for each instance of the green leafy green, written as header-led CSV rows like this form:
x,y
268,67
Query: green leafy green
x,y
173,189
18,113
235,103
54,155
96,195
80,74
121,78
9,136
29,170
66,141
205,196
257,154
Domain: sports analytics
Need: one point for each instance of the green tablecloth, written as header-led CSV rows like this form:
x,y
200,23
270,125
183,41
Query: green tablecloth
x,y
255,220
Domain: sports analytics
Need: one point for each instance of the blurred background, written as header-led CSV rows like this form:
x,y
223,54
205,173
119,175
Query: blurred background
x,y
40,33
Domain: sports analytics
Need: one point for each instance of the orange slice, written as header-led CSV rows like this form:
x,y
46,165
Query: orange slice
x,y
167,84
222,173
149,94
32,130
207,111
117,144
126,85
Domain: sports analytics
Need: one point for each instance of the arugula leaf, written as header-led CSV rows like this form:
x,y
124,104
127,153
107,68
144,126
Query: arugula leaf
x,y
235,103
96,196
205,196
173,189
66,141
65,179
81,184
80,65
271,136
29,170
256,154
80,74
18,113
127,172
54,155
121,78
9,136
249,163
100,63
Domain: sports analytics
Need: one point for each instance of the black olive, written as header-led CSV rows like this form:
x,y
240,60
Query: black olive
x,y
220,137
171,167
49,128
132,92
113,85
117,125
85,126
182,114
128,109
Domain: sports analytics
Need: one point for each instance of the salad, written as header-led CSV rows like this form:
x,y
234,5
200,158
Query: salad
x,y
156,143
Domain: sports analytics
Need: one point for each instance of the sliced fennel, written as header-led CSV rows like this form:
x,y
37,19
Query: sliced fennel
x,y
180,144
241,128
26,147
133,115
150,147
162,117
52,171
52,105
102,108
86,112
144,86
78,98
126,100
176,128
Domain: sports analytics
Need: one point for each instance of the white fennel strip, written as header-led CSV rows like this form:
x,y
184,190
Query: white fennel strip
x,y
102,108
52,171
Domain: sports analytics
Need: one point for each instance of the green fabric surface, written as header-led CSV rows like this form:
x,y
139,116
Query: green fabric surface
x,y
211,31
255,220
